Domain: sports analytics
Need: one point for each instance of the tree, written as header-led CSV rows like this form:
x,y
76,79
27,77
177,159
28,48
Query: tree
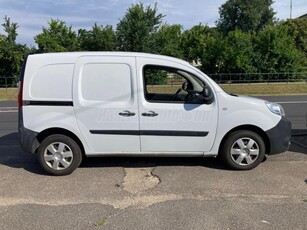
x,y
240,52
58,37
10,28
245,15
297,29
99,38
167,41
276,52
11,57
195,41
213,58
135,31
11,53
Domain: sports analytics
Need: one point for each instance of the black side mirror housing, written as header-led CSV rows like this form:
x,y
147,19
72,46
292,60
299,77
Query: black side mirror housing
x,y
208,95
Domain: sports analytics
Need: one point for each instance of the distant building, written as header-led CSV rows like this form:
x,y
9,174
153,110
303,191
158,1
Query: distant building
x,y
303,16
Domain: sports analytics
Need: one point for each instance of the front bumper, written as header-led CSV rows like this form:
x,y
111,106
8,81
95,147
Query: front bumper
x,y
279,136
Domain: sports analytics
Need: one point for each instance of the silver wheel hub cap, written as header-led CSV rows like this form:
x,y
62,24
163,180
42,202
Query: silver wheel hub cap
x,y
58,156
244,151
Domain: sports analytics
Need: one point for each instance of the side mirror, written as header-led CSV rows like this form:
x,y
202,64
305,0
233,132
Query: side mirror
x,y
208,95
184,86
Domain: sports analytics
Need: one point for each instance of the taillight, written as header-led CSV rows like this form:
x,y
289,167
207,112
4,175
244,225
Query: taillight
x,y
20,86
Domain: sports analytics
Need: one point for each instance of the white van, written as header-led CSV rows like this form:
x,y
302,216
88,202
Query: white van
x,y
73,105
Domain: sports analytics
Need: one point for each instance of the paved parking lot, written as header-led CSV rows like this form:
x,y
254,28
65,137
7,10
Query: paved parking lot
x,y
153,193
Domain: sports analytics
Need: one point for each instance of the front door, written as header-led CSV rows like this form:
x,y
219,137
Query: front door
x,y
105,102
173,115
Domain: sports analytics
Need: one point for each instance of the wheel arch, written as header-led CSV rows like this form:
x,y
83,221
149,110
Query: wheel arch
x,y
47,132
252,128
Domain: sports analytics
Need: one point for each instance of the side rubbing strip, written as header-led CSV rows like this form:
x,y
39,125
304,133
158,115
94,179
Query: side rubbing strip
x,y
48,103
173,133
115,132
151,133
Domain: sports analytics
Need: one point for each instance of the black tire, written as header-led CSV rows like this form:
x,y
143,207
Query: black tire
x,y
65,161
240,149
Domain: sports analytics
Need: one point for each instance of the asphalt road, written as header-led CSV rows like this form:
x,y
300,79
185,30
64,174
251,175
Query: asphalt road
x,y
155,193
295,108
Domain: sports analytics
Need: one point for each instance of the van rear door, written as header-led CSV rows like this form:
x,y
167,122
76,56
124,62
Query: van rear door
x,y
105,103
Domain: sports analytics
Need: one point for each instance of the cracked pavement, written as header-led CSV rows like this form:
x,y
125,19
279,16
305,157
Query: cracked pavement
x,y
153,193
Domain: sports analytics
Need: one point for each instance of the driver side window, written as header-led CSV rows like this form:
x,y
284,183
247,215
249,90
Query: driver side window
x,y
170,85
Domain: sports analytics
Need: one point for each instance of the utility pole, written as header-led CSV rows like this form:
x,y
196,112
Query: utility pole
x,y
290,9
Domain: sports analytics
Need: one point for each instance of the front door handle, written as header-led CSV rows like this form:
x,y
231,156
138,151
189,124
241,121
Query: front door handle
x,y
150,114
126,113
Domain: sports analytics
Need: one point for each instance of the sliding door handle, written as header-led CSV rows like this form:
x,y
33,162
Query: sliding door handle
x,y
150,114
126,113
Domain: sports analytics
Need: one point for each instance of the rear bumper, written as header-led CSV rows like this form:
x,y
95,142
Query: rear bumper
x,y
279,137
27,138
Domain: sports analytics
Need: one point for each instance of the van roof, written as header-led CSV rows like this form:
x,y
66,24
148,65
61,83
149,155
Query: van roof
x,y
75,55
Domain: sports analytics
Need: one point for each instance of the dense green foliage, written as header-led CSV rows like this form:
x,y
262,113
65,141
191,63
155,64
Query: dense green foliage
x,y
135,31
247,39
276,51
195,41
297,29
245,15
11,53
167,41
58,37
99,38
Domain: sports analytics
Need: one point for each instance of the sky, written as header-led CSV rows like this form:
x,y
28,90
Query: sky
x,y
32,15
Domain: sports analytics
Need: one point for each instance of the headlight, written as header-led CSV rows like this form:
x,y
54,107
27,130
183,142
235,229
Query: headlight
x,y
275,108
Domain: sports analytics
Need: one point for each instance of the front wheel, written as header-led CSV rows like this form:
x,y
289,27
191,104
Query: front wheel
x,y
243,150
59,155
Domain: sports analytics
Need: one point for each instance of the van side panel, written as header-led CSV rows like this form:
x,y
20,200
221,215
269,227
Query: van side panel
x,y
47,95
51,117
236,111
52,82
105,103
48,77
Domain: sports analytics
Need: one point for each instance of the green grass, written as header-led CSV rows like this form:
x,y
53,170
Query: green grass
x,y
267,89
253,89
8,94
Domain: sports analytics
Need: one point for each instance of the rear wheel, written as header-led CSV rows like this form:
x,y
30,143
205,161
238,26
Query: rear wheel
x,y
59,155
243,150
